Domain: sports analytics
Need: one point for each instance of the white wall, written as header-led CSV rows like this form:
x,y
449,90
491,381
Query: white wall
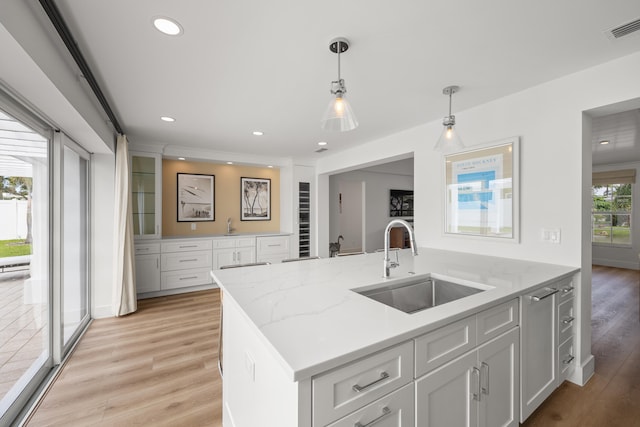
x,y
553,165
377,186
622,257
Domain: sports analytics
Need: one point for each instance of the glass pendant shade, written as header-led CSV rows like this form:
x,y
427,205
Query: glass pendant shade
x,y
449,140
339,116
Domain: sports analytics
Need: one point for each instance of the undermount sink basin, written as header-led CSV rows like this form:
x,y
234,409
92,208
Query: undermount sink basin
x,y
419,294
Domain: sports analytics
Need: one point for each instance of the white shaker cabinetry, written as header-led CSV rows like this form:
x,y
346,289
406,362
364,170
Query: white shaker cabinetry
x,y
185,263
479,387
272,249
546,342
233,251
147,267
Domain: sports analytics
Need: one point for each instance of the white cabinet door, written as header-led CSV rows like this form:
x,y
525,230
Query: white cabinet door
x,y
538,349
147,273
146,194
223,257
499,381
245,255
444,396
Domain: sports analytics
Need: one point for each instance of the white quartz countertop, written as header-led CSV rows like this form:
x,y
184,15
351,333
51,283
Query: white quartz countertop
x,y
230,235
307,314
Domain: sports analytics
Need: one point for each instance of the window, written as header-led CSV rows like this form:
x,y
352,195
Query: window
x,y
611,214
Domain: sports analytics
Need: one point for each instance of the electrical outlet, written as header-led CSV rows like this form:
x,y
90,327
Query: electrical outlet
x,y
551,235
193,226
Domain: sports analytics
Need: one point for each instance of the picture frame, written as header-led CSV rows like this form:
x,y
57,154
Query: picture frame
x,y
482,191
255,199
401,203
195,197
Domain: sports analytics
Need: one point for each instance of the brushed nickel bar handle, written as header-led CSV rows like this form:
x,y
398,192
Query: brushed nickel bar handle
x,y
568,320
569,360
187,246
360,388
476,394
550,292
188,278
188,260
385,411
567,289
484,374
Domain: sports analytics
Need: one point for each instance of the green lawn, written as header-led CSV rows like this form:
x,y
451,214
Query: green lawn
x,y
14,248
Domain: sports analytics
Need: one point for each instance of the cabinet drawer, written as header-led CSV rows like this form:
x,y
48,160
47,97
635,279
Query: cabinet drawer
x,y
444,344
393,410
345,389
565,359
186,246
496,320
183,279
565,288
566,320
186,260
147,248
273,245
246,242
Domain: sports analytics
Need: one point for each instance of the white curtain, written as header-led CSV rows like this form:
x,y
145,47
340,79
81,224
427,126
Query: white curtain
x,y
124,289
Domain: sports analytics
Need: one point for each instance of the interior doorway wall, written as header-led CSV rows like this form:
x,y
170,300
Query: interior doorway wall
x,y
348,215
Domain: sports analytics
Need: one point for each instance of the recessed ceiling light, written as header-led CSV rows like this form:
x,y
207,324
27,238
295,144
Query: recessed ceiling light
x,y
270,166
167,26
180,158
229,163
167,119
258,133
322,143
604,142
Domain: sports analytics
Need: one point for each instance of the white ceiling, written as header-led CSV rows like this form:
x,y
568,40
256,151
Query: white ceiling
x,y
262,65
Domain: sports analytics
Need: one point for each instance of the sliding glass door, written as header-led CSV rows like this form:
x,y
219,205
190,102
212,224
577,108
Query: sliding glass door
x,y
75,260
25,272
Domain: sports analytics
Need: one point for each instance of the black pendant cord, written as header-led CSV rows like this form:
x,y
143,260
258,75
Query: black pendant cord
x,y
56,19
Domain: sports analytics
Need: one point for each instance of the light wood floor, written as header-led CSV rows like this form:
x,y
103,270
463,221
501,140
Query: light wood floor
x,y
157,367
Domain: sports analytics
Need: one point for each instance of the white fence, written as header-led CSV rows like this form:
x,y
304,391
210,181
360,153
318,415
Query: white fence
x,y
13,219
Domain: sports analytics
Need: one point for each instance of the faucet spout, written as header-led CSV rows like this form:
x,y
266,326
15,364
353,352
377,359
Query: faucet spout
x,y
388,265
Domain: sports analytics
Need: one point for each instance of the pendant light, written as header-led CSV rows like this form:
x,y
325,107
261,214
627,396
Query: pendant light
x,y
339,115
449,139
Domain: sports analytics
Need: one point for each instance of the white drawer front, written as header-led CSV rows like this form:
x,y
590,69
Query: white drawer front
x,y
187,245
566,320
444,344
224,243
393,410
565,359
183,279
335,394
246,242
147,248
273,245
565,288
496,320
186,260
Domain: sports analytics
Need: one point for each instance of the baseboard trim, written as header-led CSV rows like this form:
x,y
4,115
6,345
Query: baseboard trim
x,y
102,312
583,373
630,265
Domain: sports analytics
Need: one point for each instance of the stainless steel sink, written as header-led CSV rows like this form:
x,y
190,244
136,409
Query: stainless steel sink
x,y
419,294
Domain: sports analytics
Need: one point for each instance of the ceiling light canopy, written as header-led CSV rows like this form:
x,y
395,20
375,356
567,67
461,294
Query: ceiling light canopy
x,y
449,139
167,119
339,115
604,142
258,133
167,26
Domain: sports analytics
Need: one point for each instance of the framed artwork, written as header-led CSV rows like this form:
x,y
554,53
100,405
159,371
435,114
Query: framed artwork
x,y
196,197
255,199
401,203
481,194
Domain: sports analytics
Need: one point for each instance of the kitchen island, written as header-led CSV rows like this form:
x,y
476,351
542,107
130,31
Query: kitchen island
x,y
287,327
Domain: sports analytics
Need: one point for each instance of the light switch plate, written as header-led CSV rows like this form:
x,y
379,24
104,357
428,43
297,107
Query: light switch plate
x,y
193,226
551,235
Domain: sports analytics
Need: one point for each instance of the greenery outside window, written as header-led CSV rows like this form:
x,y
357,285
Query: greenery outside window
x,y
611,214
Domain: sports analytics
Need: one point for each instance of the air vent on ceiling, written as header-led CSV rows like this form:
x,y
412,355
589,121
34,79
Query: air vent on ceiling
x,y
321,149
624,30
